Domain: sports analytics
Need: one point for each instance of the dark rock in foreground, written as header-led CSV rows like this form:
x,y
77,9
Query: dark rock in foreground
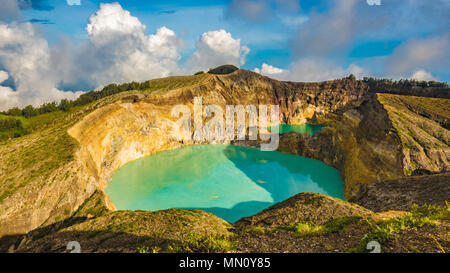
x,y
402,193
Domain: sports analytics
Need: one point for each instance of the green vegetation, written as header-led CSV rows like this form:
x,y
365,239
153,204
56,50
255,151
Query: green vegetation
x,y
31,118
386,230
254,229
123,227
223,69
162,84
304,229
88,97
406,82
11,127
352,77
18,126
93,207
333,226
429,106
422,125
202,243
146,249
33,158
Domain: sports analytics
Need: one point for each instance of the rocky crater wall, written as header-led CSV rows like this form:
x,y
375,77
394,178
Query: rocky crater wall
x,y
360,142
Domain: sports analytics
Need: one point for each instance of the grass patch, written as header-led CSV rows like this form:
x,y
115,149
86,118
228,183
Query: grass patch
x,y
254,229
123,227
201,243
386,230
333,226
146,249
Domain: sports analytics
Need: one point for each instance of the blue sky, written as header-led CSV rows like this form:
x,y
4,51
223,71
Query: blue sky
x,y
298,40
270,40
186,18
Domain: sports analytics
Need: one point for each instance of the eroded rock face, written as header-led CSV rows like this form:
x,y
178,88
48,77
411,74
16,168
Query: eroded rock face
x,y
360,143
422,125
402,193
121,132
47,195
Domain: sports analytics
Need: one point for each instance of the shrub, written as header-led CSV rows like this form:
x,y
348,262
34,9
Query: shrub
x,y
202,243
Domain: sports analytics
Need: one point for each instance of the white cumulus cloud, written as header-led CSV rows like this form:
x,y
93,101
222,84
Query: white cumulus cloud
x,y
415,54
311,70
422,75
216,48
267,69
117,50
25,55
6,93
110,22
3,76
122,52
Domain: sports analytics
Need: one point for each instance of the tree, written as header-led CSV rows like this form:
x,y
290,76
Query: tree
x,y
65,105
29,111
47,108
14,112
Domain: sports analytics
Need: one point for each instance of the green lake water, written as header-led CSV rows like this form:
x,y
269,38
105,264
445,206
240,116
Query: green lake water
x,y
300,128
229,181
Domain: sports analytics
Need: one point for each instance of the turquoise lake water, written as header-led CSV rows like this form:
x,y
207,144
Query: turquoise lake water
x,y
229,181
300,128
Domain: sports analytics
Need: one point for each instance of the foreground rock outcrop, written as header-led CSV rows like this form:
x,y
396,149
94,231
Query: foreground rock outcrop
x,y
306,222
401,194
315,223
98,229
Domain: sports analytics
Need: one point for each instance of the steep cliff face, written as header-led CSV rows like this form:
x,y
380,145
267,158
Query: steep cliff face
x,y
387,136
119,133
361,143
423,127
40,180
298,102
